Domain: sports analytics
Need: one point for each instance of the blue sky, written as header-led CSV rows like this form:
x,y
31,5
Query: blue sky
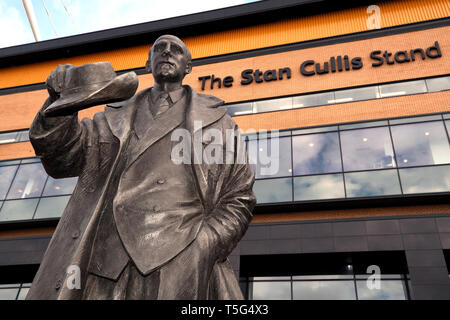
x,y
92,15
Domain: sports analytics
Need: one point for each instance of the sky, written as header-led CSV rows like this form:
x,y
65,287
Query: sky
x,y
84,16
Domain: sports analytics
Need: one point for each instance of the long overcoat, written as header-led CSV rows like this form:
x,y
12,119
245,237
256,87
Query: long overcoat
x,y
95,150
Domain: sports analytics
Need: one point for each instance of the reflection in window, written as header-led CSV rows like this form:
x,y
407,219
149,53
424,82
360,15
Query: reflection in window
x,y
273,190
271,290
366,149
14,291
447,124
55,187
239,109
29,182
52,207
272,157
8,293
327,186
438,84
421,144
372,183
273,105
312,100
358,94
426,179
402,88
323,290
389,290
316,153
18,209
6,176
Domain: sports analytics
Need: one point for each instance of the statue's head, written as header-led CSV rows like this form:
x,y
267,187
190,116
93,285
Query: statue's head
x,y
169,59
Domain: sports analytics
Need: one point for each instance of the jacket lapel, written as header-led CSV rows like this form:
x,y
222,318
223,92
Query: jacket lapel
x,y
202,111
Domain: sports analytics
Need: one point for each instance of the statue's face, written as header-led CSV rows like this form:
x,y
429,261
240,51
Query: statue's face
x,y
169,60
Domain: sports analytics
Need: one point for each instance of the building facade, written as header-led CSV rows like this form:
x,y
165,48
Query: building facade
x,y
346,115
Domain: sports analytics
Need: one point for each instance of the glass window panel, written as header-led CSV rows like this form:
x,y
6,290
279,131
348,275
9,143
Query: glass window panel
x,y
273,105
239,109
324,277
51,207
415,119
6,176
10,285
446,115
18,209
365,149
315,130
372,183
9,162
364,125
426,179
316,153
271,290
327,186
273,190
421,144
357,94
315,99
24,136
30,160
389,290
438,84
9,137
383,276
9,294
447,124
272,278
324,290
23,293
272,157
29,182
55,187
403,88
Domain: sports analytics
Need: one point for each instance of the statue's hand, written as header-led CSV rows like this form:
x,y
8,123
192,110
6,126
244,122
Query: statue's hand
x,y
55,81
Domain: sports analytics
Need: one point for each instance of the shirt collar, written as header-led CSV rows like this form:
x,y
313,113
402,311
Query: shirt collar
x,y
174,95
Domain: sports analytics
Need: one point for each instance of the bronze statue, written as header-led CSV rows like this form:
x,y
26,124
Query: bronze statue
x,y
139,225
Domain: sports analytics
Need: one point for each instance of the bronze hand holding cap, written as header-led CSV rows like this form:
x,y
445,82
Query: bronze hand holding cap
x,y
80,87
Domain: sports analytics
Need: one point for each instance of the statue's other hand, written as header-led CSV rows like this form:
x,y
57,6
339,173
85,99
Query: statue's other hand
x,y
55,81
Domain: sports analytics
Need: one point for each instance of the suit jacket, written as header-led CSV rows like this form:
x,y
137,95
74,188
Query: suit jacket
x,y
95,150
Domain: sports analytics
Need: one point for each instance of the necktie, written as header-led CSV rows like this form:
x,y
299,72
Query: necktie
x,y
162,104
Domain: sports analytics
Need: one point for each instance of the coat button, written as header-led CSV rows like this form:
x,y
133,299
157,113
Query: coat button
x,y
75,234
156,209
58,284
161,181
91,189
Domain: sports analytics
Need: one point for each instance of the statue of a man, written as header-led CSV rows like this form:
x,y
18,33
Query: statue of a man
x,y
140,225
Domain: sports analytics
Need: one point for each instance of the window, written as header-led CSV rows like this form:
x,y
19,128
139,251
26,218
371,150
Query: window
x,y
312,100
29,181
325,276
421,144
365,149
372,183
239,109
316,153
273,190
358,94
327,186
271,157
14,291
438,84
403,88
425,179
273,105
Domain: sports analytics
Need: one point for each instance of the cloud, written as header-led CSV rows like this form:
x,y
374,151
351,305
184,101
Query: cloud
x,y
15,31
